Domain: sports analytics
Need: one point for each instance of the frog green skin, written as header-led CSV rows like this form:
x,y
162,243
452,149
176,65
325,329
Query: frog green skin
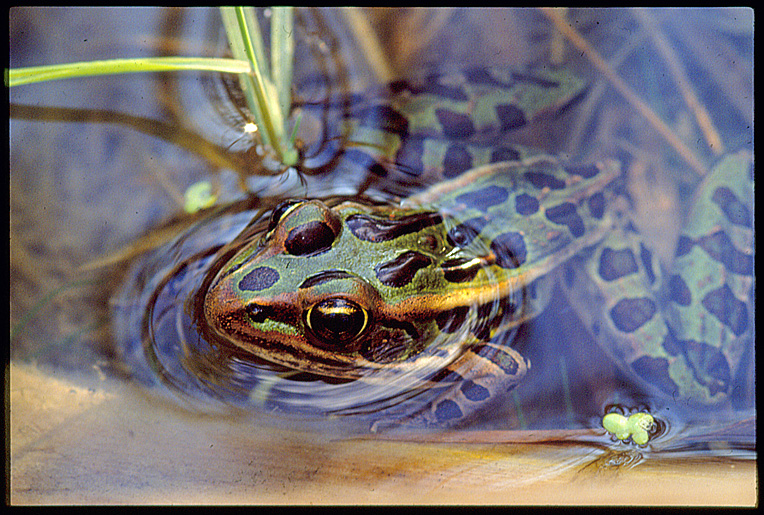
x,y
352,290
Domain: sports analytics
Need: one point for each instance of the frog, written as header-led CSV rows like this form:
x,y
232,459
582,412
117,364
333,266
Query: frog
x,y
419,289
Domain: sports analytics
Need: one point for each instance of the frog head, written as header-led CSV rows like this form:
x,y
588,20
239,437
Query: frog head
x,y
332,290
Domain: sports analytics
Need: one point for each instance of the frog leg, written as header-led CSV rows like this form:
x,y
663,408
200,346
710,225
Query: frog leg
x,y
683,335
481,375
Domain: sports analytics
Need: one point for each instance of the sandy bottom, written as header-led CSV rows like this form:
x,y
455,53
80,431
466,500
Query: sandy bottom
x,y
74,444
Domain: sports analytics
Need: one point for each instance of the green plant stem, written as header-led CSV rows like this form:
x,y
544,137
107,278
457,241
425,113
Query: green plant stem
x,y
20,76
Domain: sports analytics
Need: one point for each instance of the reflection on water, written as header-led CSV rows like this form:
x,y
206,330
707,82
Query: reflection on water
x,y
79,174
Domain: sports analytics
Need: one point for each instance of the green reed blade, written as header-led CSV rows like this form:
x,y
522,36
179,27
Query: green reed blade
x,y
33,74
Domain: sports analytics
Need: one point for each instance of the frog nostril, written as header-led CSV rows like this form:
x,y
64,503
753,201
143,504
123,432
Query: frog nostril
x,y
309,238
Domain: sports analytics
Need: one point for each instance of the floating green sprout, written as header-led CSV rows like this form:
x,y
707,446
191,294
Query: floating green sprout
x,y
199,196
637,426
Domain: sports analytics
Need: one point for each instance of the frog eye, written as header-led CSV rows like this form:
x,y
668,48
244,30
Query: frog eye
x,y
279,212
336,321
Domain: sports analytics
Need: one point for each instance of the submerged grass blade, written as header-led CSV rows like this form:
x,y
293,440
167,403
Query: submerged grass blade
x,y
33,74
282,54
246,43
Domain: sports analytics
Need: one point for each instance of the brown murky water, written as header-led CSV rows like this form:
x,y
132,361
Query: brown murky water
x,y
95,163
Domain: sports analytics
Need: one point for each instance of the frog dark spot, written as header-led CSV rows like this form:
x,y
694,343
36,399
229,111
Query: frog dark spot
x,y
734,210
502,154
456,161
541,180
535,80
368,228
400,271
709,366
684,245
654,371
483,76
408,159
309,238
586,171
526,204
566,214
323,277
628,315
503,360
615,264
455,272
719,246
483,198
510,117
569,275
455,125
366,161
446,375
260,278
432,86
451,320
474,391
463,234
509,249
382,117
447,410
258,313
670,344
597,205
647,262
678,290
727,308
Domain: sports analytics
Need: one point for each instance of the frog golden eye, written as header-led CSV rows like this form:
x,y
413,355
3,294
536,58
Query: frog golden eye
x,y
336,321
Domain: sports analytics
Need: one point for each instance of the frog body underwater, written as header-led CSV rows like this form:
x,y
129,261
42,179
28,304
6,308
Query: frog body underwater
x,y
417,291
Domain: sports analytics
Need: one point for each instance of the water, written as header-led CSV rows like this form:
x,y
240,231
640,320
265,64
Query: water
x,y
69,206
